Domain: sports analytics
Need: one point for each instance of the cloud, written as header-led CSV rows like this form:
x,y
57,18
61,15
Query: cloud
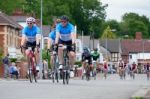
x,y
116,8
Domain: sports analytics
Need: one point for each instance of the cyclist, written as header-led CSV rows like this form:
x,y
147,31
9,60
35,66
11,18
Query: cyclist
x,y
147,69
105,68
95,57
65,35
30,36
121,68
133,69
51,39
85,56
95,54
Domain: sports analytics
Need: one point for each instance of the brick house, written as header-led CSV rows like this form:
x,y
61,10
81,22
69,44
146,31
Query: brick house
x,y
9,34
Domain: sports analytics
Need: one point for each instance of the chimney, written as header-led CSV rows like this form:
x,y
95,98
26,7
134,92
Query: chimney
x,y
138,36
17,12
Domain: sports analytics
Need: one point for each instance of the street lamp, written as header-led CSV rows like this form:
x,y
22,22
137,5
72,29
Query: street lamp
x,y
93,39
143,51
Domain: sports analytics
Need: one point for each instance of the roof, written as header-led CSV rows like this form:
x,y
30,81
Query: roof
x,y
6,20
19,18
135,46
87,42
112,44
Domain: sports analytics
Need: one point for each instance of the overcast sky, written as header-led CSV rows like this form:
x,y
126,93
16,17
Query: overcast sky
x,y
116,8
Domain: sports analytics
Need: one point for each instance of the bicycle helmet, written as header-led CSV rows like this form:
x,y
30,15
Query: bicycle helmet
x,y
30,19
85,48
64,17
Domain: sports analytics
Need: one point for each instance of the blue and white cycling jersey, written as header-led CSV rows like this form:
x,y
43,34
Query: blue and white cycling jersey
x,y
52,35
65,32
30,33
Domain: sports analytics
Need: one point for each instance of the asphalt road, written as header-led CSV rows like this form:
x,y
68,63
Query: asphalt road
x,y
111,88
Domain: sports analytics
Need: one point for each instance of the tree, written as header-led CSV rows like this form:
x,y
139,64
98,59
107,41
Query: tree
x,y
32,7
132,22
88,15
108,34
114,25
8,6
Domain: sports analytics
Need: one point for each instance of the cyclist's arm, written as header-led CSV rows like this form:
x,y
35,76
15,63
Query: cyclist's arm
x,y
73,34
23,38
57,34
38,36
49,41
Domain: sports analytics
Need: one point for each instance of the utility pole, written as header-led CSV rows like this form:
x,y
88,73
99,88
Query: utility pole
x,y
41,63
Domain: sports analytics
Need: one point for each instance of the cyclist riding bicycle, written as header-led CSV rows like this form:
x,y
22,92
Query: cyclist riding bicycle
x,y
51,39
105,68
65,35
86,56
95,56
147,70
133,69
86,60
121,68
30,37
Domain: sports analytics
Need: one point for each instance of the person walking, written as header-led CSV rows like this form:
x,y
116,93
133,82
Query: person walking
x,y
6,63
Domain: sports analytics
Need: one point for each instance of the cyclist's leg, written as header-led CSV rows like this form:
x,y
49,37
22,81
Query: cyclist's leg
x,y
60,52
37,54
71,58
71,54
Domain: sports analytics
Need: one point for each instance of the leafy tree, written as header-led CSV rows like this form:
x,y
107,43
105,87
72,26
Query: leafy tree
x,y
132,22
114,25
8,6
46,56
108,34
88,15
32,7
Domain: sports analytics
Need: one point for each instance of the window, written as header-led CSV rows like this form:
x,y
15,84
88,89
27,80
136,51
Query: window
x,y
130,56
114,57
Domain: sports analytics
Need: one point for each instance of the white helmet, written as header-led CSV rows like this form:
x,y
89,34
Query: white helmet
x,y
30,19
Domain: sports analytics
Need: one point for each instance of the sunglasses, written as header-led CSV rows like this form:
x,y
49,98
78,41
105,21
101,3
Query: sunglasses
x,y
64,21
29,23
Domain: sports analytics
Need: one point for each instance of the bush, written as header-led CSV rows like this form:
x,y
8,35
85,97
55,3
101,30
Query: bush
x,y
79,63
13,59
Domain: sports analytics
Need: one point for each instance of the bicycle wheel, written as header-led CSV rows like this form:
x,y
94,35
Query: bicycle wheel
x,y
34,72
56,77
55,71
64,76
30,71
67,77
87,73
53,78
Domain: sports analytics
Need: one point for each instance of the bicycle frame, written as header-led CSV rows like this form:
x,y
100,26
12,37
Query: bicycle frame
x,y
87,70
31,65
54,69
94,72
65,69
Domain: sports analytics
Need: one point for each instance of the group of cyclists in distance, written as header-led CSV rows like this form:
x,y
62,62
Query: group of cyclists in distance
x,y
63,33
